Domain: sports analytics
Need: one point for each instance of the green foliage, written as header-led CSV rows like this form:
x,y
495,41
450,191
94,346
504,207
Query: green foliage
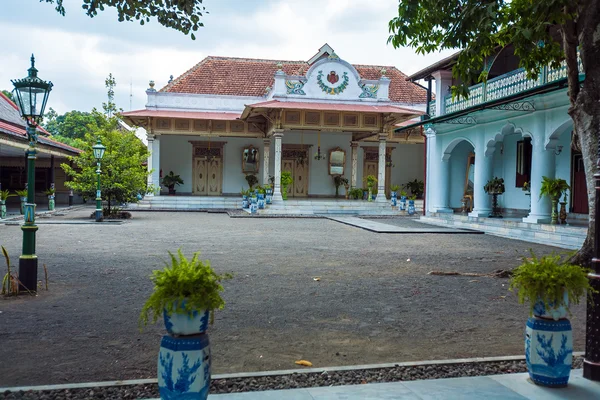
x,y
122,174
181,15
416,187
394,188
338,181
191,280
170,180
553,187
21,193
546,278
403,193
50,192
371,181
252,180
286,180
413,197
8,94
480,29
356,193
71,125
110,108
5,194
494,185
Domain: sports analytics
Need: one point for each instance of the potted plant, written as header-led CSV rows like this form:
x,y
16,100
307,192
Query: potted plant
x,y
495,187
549,284
527,189
374,192
286,180
371,181
563,210
394,189
244,194
553,188
4,194
411,205
23,197
338,181
403,200
416,188
50,193
186,292
252,180
170,180
261,197
347,188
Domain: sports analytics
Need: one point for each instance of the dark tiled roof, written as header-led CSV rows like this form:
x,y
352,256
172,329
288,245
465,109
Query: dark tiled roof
x,y
250,77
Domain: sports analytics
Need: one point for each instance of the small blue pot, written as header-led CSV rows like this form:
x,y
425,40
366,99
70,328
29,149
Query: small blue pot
x,y
394,199
261,201
269,197
245,203
254,205
411,207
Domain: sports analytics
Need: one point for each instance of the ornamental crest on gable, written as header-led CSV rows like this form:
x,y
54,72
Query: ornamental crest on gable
x,y
333,78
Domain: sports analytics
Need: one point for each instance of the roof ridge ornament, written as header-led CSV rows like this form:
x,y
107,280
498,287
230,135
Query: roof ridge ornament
x,y
151,89
383,72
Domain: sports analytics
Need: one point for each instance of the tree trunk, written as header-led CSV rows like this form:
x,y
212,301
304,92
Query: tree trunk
x,y
585,109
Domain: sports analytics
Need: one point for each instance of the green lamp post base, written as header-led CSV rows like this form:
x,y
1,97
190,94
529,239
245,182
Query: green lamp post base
x,y
28,268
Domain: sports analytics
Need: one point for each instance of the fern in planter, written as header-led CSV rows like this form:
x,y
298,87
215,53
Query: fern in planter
x,y
191,280
5,194
553,187
21,193
547,278
286,180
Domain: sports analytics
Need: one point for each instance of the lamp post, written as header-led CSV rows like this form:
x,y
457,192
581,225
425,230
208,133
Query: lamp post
x,y
591,363
31,94
99,150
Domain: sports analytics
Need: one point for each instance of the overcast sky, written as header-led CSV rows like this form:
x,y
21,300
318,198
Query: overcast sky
x,y
76,52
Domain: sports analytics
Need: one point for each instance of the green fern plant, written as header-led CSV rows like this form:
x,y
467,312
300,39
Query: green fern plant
x,y
191,280
21,193
5,194
553,187
546,278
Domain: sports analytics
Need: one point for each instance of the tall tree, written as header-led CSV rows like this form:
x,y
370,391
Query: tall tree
x,y
123,174
181,15
73,124
479,28
110,107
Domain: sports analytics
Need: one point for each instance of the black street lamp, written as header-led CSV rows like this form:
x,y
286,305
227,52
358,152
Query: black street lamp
x,y
99,150
31,94
591,363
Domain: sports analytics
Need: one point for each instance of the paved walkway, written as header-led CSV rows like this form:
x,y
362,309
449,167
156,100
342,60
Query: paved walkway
x,y
496,387
378,227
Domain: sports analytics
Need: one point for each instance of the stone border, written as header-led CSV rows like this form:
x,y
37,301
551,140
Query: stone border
x,y
87,385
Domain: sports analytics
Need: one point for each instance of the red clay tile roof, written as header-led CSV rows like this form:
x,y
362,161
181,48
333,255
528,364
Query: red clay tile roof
x,y
228,116
250,77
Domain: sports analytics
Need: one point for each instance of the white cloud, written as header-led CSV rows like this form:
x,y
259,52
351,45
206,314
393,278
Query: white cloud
x,y
78,60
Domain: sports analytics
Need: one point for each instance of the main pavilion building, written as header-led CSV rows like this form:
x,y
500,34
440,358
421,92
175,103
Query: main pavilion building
x,y
229,117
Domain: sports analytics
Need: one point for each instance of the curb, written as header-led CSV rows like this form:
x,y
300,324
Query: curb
x,y
87,385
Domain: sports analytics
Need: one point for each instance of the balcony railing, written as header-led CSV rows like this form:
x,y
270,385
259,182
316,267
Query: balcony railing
x,y
431,110
503,86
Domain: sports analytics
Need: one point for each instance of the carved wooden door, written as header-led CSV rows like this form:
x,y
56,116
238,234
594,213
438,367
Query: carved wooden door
x,y
214,177
301,179
200,176
288,165
370,168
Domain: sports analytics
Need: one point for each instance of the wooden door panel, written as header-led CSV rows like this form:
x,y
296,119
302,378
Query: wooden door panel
x,y
370,168
301,180
200,174
214,177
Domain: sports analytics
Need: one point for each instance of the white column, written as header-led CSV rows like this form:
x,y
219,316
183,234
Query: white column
x,y
266,153
354,170
149,162
381,176
483,173
542,164
443,81
439,177
156,162
443,173
430,187
277,135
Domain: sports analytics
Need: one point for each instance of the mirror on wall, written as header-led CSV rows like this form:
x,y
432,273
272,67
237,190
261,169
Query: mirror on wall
x,y
337,161
250,158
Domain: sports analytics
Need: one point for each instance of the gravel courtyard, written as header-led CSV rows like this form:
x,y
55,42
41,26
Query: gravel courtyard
x,y
374,301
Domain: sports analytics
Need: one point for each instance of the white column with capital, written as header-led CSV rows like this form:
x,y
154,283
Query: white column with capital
x,y
277,135
149,162
156,163
381,176
440,177
443,82
483,173
542,164
354,170
266,153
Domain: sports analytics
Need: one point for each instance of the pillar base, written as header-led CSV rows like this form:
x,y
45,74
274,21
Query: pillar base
x,y
28,268
537,219
443,210
381,198
483,213
277,198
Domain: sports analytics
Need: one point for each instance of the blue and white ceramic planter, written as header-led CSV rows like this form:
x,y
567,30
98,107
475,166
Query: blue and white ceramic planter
x,y
2,209
269,197
261,201
254,205
184,324
184,368
402,203
245,203
50,203
549,344
394,199
411,207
